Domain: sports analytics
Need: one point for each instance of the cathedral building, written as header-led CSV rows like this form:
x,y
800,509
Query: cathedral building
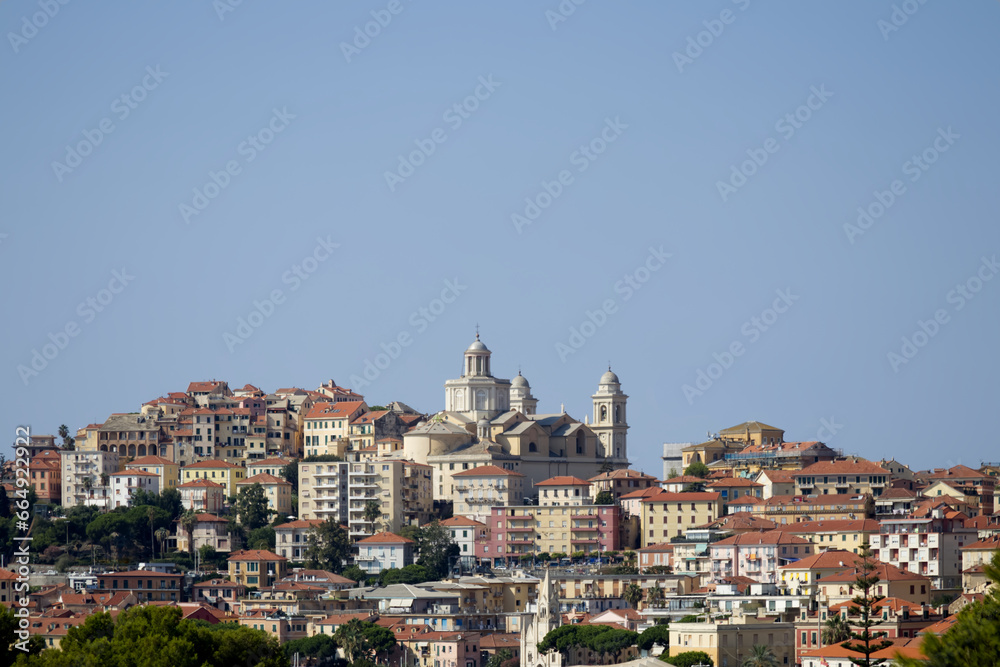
x,y
493,421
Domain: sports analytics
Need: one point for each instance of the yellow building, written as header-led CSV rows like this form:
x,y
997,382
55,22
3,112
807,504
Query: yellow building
x,y
799,578
789,509
257,568
327,427
277,490
668,515
479,489
165,469
220,472
753,433
848,534
729,643
851,477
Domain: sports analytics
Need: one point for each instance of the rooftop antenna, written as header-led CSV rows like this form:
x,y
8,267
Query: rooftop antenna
x,y
477,330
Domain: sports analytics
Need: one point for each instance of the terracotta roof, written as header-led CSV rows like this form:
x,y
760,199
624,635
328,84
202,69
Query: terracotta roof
x,y
824,560
385,537
768,537
255,554
779,476
956,472
270,462
664,547
301,523
842,468
133,473
150,461
263,478
941,627
487,471
885,572
563,481
341,619
201,481
742,521
991,543
833,525
205,517
340,410
369,417
461,521
643,493
734,482
211,463
896,492
691,496
835,499
7,575
622,474
750,426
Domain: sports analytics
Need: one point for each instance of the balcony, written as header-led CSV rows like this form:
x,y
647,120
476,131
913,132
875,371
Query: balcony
x,y
521,541
521,529
591,517
584,541
585,529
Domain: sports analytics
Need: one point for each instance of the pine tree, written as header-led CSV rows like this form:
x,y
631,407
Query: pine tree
x,y
866,642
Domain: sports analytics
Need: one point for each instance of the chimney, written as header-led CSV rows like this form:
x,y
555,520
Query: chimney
x,y
923,611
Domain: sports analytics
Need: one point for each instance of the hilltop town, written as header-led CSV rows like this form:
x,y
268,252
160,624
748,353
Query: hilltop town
x,y
481,535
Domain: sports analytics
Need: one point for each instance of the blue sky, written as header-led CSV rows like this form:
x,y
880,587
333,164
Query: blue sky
x,y
614,122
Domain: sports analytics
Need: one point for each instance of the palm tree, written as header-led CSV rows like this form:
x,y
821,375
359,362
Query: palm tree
x,y
761,655
372,511
88,484
655,596
152,533
633,594
161,536
187,522
351,638
836,630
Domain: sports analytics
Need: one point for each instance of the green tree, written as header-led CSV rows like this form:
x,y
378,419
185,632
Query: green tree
x,y
411,574
605,467
353,638
161,536
437,549
322,649
689,659
761,655
697,469
500,657
10,643
372,513
633,594
67,441
329,547
187,522
604,498
4,503
291,474
262,538
657,634
355,573
601,639
866,642
655,596
836,630
974,638
251,507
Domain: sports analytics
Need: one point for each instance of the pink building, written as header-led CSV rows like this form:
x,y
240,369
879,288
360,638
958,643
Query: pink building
x,y
202,495
515,531
757,555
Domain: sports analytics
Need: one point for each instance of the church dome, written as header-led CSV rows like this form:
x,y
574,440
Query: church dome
x,y
609,377
477,346
520,381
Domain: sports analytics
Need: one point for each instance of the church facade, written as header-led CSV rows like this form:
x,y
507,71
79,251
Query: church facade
x,y
493,421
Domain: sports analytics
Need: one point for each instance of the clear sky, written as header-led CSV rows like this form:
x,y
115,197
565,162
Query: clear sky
x,y
688,174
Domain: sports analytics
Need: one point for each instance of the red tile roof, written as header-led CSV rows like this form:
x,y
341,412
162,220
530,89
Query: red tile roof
x,y
385,537
300,523
461,521
201,481
691,496
255,554
622,474
150,461
563,481
860,467
487,471
769,537
263,478
213,463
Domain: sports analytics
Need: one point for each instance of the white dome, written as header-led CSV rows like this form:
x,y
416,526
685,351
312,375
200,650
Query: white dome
x,y
520,381
609,378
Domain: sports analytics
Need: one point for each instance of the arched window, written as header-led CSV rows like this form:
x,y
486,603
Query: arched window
x,y
481,399
604,413
579,443
532,447
618,415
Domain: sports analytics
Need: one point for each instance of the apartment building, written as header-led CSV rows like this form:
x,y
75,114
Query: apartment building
x,y
621,482
788,456
668,515
789,509
147,586
757,555
82,477
375,483
202,495
974,556
124,485
566,490
327,427
973,486
417,494
846,534
842,477
208,530
732,488
258,568
292,538
516,531
479,489
776,483
930,546
729,644
131,435
465,531
893,582
800,577
277,491
220,472
323,490
45,476
165,469
273,466
383,551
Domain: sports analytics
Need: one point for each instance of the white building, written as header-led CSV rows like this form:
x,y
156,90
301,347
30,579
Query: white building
x,y
125,484
673,458
81,477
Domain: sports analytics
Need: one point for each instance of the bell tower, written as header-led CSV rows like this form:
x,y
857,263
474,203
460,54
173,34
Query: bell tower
x,y
610,419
